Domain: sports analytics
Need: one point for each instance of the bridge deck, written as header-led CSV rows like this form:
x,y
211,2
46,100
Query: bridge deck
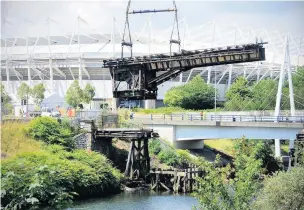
x,y
125,133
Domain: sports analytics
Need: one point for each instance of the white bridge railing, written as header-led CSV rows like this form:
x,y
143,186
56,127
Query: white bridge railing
x,y
223,118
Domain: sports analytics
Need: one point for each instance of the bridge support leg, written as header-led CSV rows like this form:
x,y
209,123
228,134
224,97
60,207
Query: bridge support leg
x,y
277,145
138,163
150,104
115,103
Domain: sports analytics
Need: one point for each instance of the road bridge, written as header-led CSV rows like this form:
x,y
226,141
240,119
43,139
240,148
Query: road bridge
x,y
189,131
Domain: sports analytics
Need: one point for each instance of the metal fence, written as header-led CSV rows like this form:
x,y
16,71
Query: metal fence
x,y
222,118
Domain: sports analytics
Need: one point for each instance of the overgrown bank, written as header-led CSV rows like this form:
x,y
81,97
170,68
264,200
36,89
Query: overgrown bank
x,y
50,172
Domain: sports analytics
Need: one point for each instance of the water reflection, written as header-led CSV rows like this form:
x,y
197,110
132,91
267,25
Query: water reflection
x,y
140,200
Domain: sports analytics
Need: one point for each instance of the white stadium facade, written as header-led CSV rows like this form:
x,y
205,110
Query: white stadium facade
x,y
57,60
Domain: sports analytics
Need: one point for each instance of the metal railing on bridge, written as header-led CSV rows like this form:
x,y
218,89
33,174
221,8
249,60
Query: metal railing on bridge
x,y
222,118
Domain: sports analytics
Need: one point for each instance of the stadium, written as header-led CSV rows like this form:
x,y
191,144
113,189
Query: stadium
x,y
58,60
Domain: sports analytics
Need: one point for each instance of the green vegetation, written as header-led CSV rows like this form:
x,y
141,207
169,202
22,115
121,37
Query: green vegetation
x,y
75,95
26,92
231,188
241,185
50,131
244,95
37,93
284,190
35,174
166,154
222,145
15,141
6,105
196,94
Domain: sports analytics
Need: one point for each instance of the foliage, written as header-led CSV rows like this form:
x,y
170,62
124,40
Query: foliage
x,y
55,177
24,91
123,115
168,155
218,190
298,90
262,95
74,94
37,93
160,110
261,149
88,93
50,131
285,190
237,94
14,140
196,94
6,105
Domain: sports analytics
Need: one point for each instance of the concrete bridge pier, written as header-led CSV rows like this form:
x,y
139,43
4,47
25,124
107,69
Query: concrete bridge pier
x,y
150,104
277,146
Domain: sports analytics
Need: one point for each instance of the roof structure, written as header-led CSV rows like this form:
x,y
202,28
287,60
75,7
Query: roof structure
x,y
80,55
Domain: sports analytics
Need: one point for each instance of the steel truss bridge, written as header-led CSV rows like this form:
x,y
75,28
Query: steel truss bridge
x,y
140,73
80,55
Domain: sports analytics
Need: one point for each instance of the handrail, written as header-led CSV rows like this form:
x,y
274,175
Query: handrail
x,y
222,118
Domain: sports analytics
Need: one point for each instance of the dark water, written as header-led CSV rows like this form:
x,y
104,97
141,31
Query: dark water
x,y
140,200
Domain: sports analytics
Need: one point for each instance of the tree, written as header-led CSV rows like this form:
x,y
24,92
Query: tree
x,y
298,90
88,93
285,191
238,95
219,190
6,106
196,94
38,93
74,94
24,91
264,94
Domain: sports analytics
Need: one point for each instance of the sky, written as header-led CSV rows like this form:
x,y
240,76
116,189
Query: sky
x,y
28,18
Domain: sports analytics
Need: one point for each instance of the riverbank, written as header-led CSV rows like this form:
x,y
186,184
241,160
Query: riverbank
x,y
35,174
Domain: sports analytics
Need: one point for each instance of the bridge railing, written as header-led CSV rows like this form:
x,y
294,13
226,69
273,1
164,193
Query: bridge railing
x,y
222,118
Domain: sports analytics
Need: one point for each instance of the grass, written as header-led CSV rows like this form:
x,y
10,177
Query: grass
x,y
223,145
14,141
170,110
285,148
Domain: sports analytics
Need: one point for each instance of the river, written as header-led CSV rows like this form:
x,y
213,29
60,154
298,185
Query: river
x,y
140,200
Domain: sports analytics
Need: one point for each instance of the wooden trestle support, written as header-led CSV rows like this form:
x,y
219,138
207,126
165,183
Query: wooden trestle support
x,y
138,162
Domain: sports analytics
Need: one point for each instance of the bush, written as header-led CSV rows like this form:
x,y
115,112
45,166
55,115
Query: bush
x,y
50,131
168,156
37,179
154,146
196,94
283,191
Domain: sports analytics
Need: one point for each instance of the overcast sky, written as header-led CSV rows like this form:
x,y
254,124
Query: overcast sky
x,y
15,15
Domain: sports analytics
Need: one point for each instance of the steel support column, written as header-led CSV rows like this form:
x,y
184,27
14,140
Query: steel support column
x,y
279,93
229,78
51,75
209,75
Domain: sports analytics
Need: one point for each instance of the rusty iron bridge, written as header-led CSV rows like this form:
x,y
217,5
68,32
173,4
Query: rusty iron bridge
x,y
138,77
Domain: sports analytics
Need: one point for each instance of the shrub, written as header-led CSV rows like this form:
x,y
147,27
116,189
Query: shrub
x,y
50,131
55,177
168,156
283,191
154,146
